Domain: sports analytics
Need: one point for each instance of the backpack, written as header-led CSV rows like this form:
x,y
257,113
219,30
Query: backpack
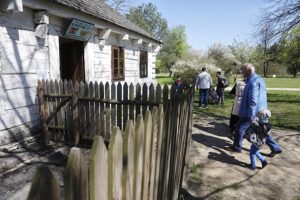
x,y
225,82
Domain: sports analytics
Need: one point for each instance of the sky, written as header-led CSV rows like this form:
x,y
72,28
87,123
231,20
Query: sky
x,y
209,21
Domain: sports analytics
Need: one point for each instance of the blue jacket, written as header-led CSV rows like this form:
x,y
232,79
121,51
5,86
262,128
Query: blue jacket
x,y
254,97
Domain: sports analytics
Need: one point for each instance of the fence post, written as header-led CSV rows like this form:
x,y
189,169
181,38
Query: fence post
x,y
98,170
76,121
76,176
44,185
43,111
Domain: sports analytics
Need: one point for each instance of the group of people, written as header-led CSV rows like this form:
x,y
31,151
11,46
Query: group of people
x,y
204,83
250,114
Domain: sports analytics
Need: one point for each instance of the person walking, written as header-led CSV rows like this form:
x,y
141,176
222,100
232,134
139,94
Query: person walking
x,y
203,83
220,88
237,92
253,100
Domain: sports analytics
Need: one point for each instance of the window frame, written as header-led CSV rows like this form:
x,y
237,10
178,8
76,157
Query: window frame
x,y
120,63
143,64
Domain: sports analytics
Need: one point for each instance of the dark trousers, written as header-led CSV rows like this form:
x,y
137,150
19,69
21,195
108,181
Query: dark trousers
x,y
203,97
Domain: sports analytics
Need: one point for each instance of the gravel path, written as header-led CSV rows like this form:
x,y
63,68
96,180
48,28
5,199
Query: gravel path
x,y
217,173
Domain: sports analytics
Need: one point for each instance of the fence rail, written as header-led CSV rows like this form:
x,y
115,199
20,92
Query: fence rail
x,y
147,130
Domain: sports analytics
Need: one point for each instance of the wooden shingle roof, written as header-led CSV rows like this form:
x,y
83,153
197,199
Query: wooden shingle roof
x,y
99,9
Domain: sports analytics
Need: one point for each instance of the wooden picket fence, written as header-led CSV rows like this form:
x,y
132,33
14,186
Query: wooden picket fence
x,y
74,112
139,148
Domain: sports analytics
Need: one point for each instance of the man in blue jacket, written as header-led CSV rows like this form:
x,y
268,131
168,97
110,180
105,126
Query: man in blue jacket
x,y
254,99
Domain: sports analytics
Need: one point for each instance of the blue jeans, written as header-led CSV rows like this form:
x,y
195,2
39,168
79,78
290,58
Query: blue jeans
x,y
240,129
203,97
254,152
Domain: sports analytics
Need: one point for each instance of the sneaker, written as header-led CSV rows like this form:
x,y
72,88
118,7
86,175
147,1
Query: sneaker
x,y
251,167
273,153
206,107
264,164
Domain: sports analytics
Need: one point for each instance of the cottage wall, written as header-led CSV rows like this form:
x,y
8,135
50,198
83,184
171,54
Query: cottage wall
x,y
24,59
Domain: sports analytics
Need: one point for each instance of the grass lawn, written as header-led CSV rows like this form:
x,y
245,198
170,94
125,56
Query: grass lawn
x,y
282,82
284,105
164,79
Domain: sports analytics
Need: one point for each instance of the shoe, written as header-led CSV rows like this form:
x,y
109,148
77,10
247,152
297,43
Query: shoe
x,y
251,167
273,153
232,148
264,164
206,107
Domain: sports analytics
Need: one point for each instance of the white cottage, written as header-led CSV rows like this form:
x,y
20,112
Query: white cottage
x,y
82,40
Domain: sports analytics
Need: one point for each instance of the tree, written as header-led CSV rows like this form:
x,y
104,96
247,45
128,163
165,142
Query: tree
x,y
148,18
290,51
264,43
122,6
243,52
222,57
174,47
282,16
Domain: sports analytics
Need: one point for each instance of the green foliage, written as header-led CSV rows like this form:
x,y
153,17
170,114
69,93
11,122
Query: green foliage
x,y
290,51
174,47
148,18
188,75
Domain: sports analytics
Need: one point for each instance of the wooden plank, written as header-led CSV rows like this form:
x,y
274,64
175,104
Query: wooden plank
x,y
146,156
102,121
97,110
158,94
43,111
151,95
62,111
131,107
107,124
153,151
144,98
128,161
76,122
59,91
50,107
92,111
113,107
125,107
71,136
138,97
119,106
107,112
40,190
138,157
98,170
76,177
87,112
82,111
115,165
54,88
17,81
66,113
165,96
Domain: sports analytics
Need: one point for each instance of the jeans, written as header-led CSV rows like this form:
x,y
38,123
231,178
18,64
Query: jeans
x,y
254,152
203,97
240,129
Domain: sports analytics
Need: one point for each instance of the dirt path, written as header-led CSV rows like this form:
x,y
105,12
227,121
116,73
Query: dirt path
x,y
217,173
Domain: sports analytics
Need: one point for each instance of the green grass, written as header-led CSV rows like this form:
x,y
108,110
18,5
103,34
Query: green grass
x,y
284,105
164,79
282,82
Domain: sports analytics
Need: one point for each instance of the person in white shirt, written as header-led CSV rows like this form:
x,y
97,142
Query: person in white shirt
x,y
203,83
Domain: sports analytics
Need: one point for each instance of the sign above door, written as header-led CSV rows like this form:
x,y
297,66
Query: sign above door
x,y
79,30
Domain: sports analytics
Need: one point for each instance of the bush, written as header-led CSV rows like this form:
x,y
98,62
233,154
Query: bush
x,y
188,76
